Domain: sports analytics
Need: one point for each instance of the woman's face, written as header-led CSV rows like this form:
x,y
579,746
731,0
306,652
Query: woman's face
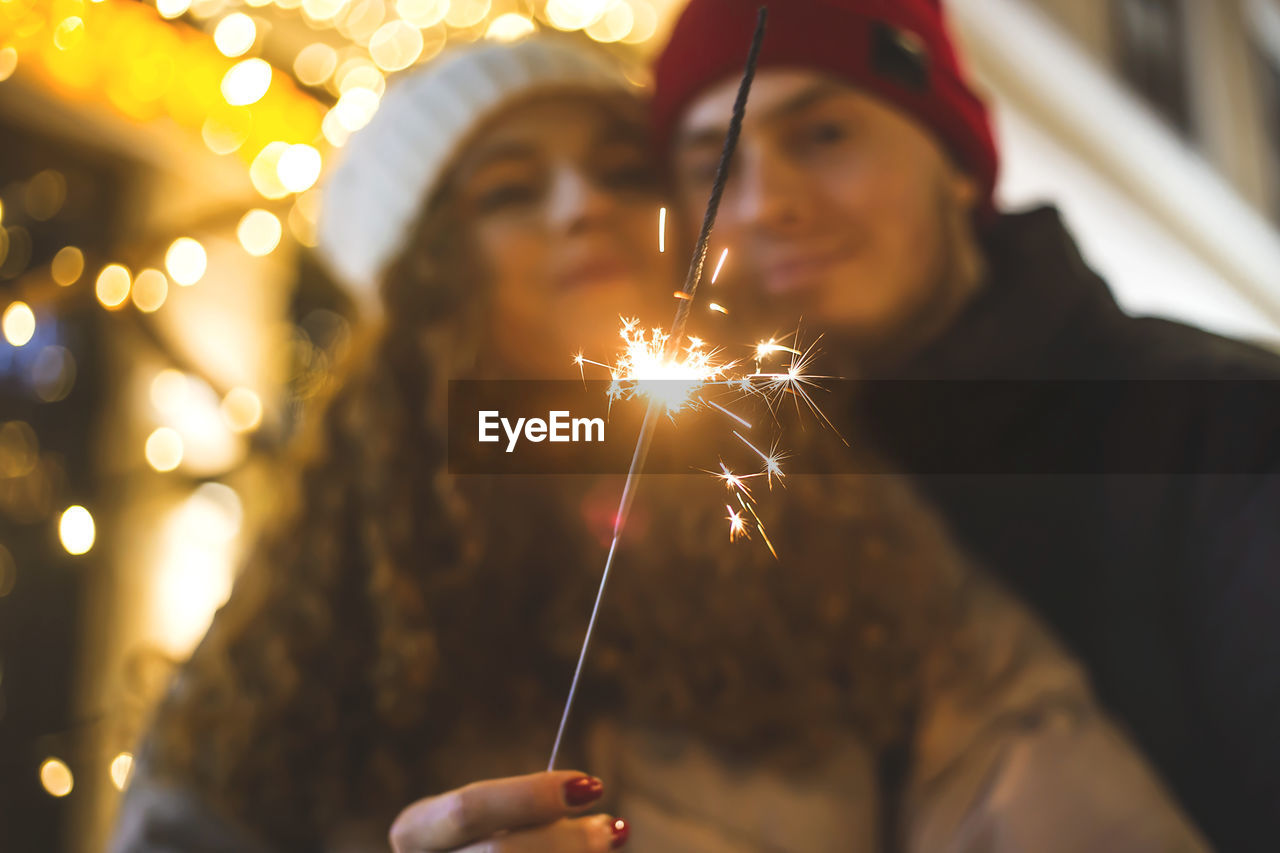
x,y
562,204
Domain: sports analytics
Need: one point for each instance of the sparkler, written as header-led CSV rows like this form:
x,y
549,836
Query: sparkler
x,y
670,348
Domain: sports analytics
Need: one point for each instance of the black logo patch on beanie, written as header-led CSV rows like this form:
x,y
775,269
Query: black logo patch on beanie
x,y
901,56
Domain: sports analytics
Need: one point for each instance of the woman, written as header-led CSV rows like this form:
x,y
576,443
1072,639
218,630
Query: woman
x,y
406,632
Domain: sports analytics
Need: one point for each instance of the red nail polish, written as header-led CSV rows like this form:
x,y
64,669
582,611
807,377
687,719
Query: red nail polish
x,y
583,790
621,829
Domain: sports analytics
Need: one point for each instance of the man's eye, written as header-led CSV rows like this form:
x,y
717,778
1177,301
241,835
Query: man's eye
x,y
505,196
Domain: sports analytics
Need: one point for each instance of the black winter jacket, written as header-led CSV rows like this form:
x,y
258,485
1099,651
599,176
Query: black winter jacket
x,y
1124,478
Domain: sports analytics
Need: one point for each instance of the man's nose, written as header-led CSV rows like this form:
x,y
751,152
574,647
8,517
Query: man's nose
x,y
576,201
767,192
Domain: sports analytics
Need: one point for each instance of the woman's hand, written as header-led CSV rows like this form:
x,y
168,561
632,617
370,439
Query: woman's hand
x,y
520,814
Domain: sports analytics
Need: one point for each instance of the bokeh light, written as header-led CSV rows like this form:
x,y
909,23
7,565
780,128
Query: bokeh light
x,y
53,374
19,323
315,63
121,770
164,449
186,261
467,13
169,390
242,410
150,289
264,172
235,34
259,232
395,46
67,266
76,530
509,27
112,286
298,167
246,82
422,13
8,63
172,8
55,777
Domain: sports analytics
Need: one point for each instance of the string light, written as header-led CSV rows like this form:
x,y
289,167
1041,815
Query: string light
x,y
509,27
298,167
19,324
186,261
242,410
67,266
55,777
76,530
235,34
150,289
121,770
246,82
259,232
164,449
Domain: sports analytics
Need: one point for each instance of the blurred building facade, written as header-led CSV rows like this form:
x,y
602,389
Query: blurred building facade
x,y
1154,124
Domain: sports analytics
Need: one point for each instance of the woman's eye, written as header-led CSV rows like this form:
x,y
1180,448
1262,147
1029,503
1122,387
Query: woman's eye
x,y
505,196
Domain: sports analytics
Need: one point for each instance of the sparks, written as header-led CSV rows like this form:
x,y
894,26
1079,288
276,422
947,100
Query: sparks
x,y
662,230
716,306
737,525
719,265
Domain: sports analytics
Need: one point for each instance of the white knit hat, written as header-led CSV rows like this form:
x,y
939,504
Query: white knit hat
x,y
391,166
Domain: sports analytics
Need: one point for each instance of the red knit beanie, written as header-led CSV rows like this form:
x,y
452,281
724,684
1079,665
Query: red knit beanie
x,y
899,50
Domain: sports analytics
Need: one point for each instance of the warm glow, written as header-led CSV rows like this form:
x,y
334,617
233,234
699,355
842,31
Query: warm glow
x,y
19,324
8,63
298,168
164,449
509,27
235,34
614,25
194,572
395,46
150,289
646,22
76,530
467,13
56,778
355,108
315,63
121,768
186,261
422,13
259,232
67,266
246,82
172,8
574,14
242,410
264,171
69,33
169,390
322,10
112,286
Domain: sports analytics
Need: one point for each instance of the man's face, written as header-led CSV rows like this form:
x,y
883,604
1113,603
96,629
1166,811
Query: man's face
x,y
839,207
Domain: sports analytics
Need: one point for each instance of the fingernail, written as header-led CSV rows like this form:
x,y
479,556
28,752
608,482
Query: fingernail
x,y
583,790
621,829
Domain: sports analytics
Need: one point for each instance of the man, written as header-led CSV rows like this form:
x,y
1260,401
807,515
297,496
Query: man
x,y
1140,516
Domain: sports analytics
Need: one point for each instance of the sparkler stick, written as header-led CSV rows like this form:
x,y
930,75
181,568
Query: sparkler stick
x,y
683,305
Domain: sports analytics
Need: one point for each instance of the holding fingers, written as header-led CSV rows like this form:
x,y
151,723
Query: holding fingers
x,y
537,812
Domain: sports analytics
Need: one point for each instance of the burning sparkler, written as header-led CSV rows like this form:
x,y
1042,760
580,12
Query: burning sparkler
x,y
670,346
